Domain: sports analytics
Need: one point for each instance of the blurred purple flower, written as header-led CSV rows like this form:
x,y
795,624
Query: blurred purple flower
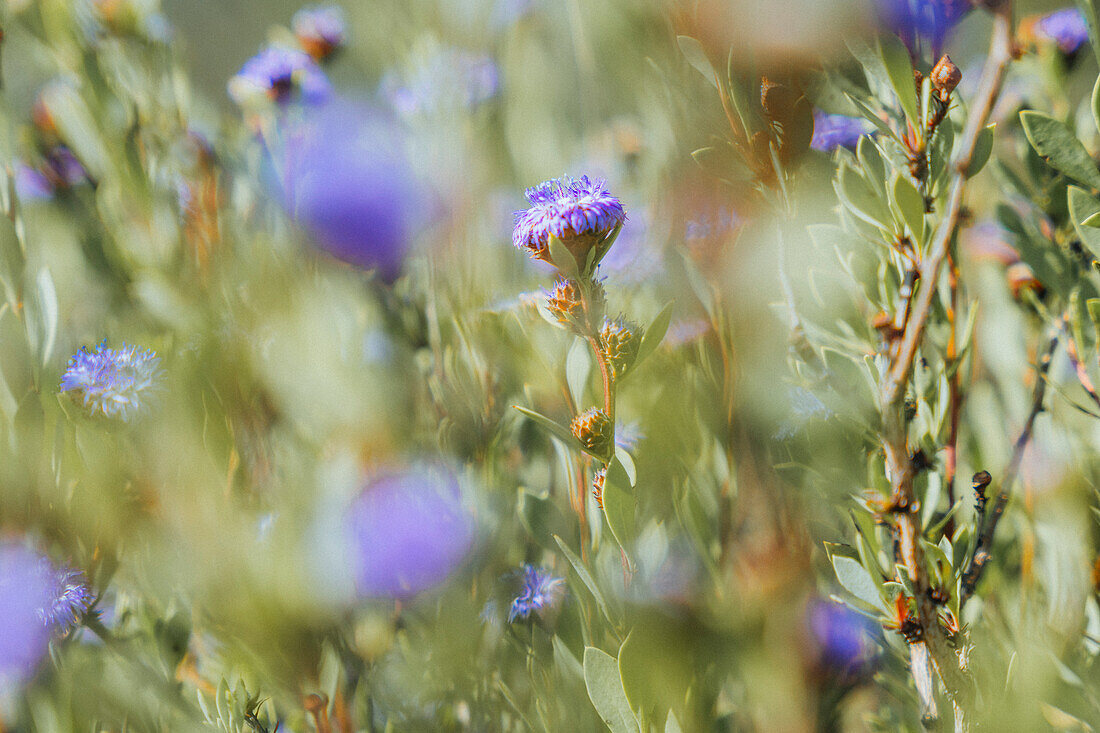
x,y
1066,27
409,532
843,637
320,29
353,188
835,131
59,170
566,207
71,597
24,591
114,382
685,331
280,75
539,593
922,21
636,256
442,82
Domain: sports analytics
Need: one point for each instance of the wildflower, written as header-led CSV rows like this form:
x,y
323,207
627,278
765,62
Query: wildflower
x,y
1065,27
540,593
71,597
59,170
114,382
593,429
842,636
24,591
408,532
282,76
320,30
443,81
927,21
579,212
835,131
564,301
353,188
620,340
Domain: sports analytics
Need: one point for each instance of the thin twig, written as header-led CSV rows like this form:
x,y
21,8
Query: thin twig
x,y
979,558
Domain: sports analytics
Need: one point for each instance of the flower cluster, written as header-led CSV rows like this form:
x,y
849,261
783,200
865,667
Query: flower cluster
x,y
580,212
282,76
113,382
539,593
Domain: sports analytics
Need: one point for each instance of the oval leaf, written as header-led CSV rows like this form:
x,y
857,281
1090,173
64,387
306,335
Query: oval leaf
x,y
697,57
605,689
1060,148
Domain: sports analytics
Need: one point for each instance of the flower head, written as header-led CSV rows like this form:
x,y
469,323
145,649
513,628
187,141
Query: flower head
x,y
620,340
114,382
282,76
842,637
593,428
408,532
580,212
923,20
540,592
71,597
24,591
320,29
835,131
1065,27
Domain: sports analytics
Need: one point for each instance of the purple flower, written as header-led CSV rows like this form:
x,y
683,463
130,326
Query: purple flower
x,y
444,81
280,75
637,255
409,532
24,591
71,598
567,208
1066,27
353,189
320,29
682,332
59,170
31,184
843,637
835,131
539,593
926,21
114,382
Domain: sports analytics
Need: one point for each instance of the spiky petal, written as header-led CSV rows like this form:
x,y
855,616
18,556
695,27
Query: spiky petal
x,y
580,212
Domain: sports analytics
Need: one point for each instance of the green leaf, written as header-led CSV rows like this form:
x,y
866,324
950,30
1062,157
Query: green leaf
x,y
869,114
895,57
1096,103
983,148
558,431
563,259
856,580
619,506
1092,221
861,198
627,460
605,689
672,725
910,205
46,295
1083,206
586,577
578,365
1058,146
565,661
540,516
870,159
697,57
651,337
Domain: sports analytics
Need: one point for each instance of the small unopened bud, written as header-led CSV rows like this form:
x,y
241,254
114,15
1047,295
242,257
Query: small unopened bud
x,y
945,77
593,428
1022,278
620,340
564,301
598,480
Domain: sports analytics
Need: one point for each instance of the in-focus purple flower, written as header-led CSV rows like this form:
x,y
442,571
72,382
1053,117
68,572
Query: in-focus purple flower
x,y
71,597
540,593
320,29
843,637
24,591
1065,27
282,76
114,382
579,211
409,532
444,81
835,131
923,21
353,189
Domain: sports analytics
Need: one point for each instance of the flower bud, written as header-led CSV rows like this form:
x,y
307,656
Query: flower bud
x,y
593,428
945,77
620,340
564,301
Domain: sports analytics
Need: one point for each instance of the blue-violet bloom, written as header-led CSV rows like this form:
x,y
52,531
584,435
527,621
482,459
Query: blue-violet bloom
x,y
71,597
114,382
580,212
927,21
843,637
539,593
282,76
1065,27
836,131
24,591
